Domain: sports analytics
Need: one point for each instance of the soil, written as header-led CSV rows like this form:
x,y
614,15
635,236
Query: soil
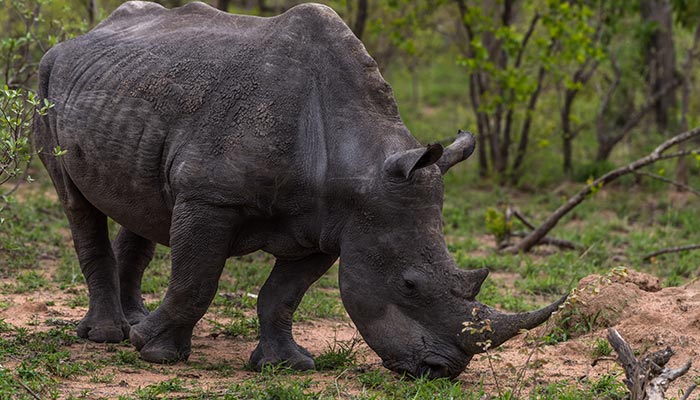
x,y
647,316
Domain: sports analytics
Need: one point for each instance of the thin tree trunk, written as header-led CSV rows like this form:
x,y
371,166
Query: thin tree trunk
x,y
682,166
661,58
223,5
360,19
92,11
525,131
608,140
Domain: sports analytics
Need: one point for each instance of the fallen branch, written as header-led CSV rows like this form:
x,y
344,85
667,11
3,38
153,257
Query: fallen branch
x,y
675,249
541,231
648,378
561,243
550,241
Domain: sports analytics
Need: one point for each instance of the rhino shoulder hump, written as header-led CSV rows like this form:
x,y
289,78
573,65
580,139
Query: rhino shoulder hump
x,y
313,9
130,10
197,7
136,7
315,16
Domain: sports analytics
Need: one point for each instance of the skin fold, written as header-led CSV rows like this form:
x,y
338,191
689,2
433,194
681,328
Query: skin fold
x,y
219,135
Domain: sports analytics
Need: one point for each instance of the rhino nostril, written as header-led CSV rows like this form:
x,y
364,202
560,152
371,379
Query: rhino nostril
x,y
435,370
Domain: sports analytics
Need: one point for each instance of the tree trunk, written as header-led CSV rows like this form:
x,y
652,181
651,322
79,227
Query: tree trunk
x,y
223,5
606,144
360,19
661,59
92,12
682,166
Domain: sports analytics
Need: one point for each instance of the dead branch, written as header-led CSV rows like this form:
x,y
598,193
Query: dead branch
x,y
668,180
648,378
547,240
517,214
675,249
536,235
550,241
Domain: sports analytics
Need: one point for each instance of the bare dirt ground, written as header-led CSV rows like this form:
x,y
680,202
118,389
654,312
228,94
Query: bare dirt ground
x,y
649,317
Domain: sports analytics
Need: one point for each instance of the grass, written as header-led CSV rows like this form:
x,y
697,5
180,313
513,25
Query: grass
x,y
338,356
601,348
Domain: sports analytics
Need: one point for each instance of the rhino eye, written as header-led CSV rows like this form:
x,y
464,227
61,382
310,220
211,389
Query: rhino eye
x,y
409,288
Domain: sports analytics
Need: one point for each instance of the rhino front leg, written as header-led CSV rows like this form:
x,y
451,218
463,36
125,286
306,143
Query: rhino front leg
x,y
133,254
200,236
279,298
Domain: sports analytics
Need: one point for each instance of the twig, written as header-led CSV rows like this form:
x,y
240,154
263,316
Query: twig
x,y
516,213
675,249
25,387
493,372
668,180
602,358
28,389
688,391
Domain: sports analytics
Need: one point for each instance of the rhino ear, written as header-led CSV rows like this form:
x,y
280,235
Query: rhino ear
x,y
403,164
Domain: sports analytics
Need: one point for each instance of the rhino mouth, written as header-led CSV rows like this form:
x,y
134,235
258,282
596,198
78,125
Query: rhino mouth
x,y
432,367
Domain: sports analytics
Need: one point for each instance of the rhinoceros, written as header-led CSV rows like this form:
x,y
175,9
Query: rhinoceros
x,y
219,135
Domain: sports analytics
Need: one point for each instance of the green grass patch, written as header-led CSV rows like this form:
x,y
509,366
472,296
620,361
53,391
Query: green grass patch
x,y
338,356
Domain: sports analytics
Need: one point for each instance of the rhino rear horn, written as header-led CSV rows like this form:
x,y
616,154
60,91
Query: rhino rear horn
x,y
468,283
405,163
458,151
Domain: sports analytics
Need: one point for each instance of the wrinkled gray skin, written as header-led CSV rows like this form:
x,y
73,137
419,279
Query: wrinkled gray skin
x,y
219,135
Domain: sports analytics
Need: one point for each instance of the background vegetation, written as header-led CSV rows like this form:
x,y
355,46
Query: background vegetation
x,y
559,92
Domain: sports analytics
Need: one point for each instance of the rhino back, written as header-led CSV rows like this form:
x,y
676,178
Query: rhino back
x,y
153,103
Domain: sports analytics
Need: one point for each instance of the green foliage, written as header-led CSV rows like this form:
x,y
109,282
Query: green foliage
x,y
241,326
339,355
17,110
29,31
601,348
497,225
41,360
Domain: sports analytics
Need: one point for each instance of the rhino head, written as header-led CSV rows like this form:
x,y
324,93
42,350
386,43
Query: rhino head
x,y
400,285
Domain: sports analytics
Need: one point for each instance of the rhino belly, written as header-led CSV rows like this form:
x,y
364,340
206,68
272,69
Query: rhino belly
x,y
116,148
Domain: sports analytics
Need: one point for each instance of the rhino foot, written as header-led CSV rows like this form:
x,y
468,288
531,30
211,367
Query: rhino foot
x,y
103,330
166,347
288,353
136,314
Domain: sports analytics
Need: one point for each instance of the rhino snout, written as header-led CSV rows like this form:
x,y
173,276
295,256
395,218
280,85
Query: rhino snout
x,y
432,366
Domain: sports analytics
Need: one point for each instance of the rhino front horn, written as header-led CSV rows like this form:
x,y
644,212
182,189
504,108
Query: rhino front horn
x,y
458,151
502,327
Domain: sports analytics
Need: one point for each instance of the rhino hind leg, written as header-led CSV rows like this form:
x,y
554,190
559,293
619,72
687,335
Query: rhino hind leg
x,y
200,239
279,298
133,254
104,321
